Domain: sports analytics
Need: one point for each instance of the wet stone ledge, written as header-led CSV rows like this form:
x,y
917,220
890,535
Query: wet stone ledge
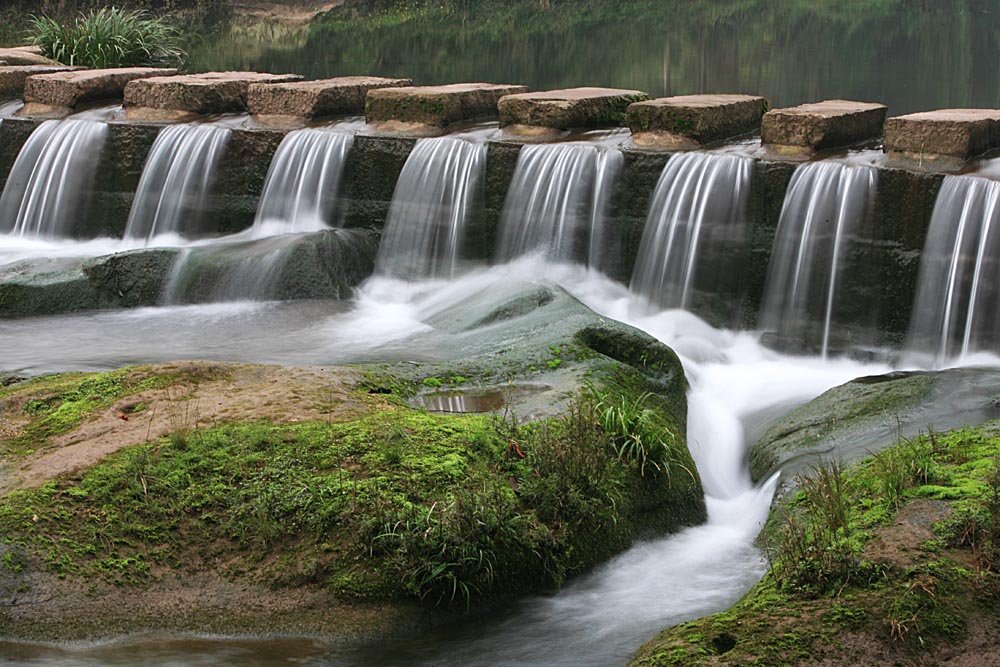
x,y
12,77
945,138
58,93
691,121
538,113
340,96
803,130
183,97
429,110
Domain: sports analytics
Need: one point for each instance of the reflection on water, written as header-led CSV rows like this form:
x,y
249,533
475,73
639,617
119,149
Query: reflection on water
x,y
791,51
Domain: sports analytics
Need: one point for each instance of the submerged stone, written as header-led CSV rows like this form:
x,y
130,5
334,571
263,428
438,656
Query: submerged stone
x,y
525,113
311,99
690,121
426,110
178,97
12,77
822,125
45,93
931,135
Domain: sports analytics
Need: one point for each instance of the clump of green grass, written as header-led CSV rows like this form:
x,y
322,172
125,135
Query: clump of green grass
x,y
107,37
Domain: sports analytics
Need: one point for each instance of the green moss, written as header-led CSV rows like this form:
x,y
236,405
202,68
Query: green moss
x,y
452,509
825,580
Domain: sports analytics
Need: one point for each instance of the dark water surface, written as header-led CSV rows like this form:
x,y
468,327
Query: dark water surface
x,y
910,54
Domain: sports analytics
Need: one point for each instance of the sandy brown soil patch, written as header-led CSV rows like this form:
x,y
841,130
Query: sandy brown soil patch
x,y
205,394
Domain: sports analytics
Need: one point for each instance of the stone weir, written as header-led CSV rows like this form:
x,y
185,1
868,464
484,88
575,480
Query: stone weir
x,y
891,244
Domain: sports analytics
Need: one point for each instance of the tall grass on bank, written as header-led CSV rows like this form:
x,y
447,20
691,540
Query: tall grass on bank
x,y
107,37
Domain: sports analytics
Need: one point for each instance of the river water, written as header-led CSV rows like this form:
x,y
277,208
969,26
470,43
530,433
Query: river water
x,y
599,619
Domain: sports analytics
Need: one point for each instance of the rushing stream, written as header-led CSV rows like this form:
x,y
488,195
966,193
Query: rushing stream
x,y
599,619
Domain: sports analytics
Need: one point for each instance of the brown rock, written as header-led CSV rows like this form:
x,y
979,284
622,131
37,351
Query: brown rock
x,y
822,125
68,89
311,99
435,106
25,55
689,121
208,93
961,133
568,109
12,77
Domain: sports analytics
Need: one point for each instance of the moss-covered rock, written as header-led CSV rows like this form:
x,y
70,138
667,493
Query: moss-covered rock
x,y
908,573
849,422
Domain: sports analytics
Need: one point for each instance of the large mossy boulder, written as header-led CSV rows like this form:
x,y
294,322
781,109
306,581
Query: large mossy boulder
x,y
851,421
342,501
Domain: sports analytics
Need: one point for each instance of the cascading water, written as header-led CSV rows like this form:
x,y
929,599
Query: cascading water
x,y
824,209
430,208
176,181
302,183
695,232
51,180
557,203
957,309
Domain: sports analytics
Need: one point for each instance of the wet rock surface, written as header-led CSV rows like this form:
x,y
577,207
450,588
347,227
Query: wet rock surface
x,y
566,109
311,99
822,125
430,109
959,133
688,121
162,98
69,89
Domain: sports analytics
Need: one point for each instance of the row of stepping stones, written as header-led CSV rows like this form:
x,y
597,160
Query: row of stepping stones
x,y
396,106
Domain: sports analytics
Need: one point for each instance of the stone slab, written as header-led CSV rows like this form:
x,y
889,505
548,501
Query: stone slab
x,y
25,55
69,89
435,106
822,125
689,121
12,77
568,109
960,133
312,99
207,93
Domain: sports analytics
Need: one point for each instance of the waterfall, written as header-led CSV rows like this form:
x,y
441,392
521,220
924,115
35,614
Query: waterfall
x,y
695,233
176,181
302,183
824,209
557,203
51,179
430,208
957,309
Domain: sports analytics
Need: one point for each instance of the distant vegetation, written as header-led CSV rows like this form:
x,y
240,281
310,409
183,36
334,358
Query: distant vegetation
x,y
107,38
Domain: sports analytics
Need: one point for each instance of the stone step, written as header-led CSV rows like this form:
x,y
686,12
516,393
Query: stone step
x,y
955,133
571,108
25,55
177,97
822,125
66,90
691,121
12,77
424,110
312,99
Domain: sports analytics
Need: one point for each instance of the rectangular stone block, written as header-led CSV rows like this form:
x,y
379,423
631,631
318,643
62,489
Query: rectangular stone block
x,y
12,77
568,109
822,125
208,93
312,99
960,133
25,55
436,106
689,121
69,89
